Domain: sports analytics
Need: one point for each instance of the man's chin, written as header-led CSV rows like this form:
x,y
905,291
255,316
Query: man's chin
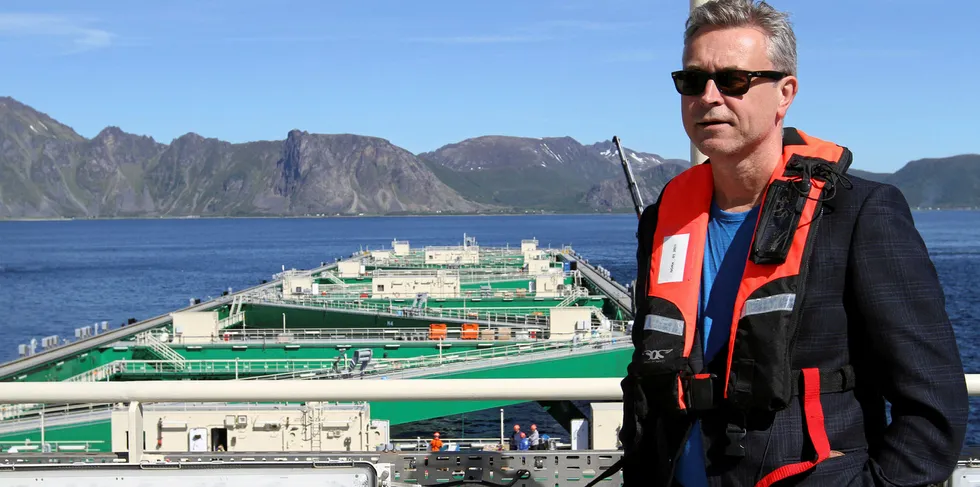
x,y
715,147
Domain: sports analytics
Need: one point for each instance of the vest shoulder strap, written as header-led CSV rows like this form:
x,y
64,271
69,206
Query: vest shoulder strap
x,y
799,142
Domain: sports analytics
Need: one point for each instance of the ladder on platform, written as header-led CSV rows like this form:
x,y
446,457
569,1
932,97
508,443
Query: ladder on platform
x,y
571,298
314,417
161,350
333,278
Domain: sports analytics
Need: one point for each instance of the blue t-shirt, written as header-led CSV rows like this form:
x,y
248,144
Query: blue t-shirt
x,y
525,444
725,252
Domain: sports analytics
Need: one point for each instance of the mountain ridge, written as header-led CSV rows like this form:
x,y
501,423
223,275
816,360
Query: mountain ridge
x,y
47,170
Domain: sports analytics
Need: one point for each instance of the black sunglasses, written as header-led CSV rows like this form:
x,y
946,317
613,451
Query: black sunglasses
x,y
730,82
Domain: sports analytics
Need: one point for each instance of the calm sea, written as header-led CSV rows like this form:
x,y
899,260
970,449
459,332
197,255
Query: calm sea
x,y
57,276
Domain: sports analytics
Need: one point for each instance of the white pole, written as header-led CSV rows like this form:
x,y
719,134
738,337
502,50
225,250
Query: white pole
x,y
696,156
501,429
284,323
973,384
605,389
42,428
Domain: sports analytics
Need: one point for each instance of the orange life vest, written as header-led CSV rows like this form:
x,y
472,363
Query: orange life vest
x,y
435,444
754,372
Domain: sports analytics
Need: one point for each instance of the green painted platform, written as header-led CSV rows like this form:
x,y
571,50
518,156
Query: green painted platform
x,y
610,363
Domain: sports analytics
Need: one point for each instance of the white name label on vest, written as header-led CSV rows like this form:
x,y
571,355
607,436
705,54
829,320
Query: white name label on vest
x,y
673,258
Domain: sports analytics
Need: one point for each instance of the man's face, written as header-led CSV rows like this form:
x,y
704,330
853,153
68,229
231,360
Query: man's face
x,y
733,126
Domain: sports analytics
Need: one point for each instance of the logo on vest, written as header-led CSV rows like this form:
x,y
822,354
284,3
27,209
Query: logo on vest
x,y
655,355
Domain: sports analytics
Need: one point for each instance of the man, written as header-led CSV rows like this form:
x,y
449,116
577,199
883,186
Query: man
x,y
534,439
780,303
436,443
515,438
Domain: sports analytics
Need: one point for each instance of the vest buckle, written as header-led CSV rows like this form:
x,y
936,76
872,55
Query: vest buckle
x,y
735,434
699,392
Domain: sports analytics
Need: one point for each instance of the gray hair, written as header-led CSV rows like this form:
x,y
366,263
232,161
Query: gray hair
x,y
781,42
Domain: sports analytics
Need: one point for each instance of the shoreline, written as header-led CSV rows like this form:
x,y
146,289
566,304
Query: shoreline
x,y
313,217
260,217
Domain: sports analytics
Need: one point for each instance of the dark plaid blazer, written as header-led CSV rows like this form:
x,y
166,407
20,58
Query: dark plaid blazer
x,y
874,301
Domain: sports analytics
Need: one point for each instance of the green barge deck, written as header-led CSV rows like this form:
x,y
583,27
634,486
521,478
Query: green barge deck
x,y
438,312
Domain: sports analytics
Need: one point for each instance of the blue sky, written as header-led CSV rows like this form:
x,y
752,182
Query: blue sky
x,y
893,80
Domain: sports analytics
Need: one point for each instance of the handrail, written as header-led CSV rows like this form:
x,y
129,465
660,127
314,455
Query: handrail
x,y
297,391
575,295
454,363
97,374
321,368
465,275
68,445
56,415
329,292
231,320
292,367
292,335
573,389
533,316
330,276
277,369
396,366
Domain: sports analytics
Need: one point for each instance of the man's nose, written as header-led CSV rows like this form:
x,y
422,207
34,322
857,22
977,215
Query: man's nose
x,y
711,95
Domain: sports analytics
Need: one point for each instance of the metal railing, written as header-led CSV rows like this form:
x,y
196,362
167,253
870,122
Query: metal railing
x,y
422,444
27,446
395,367
337,367
465,361
319,367
290,335
420,273
601,389
246,406
55,415
329,293
59,414
575,295
515,316
219,366
98,374
280,369
101,373
299,369
232,320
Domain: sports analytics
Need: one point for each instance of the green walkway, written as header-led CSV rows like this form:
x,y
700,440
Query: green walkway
x,y
600,364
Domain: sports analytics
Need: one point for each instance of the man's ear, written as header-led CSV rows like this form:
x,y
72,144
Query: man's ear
x,y
788,87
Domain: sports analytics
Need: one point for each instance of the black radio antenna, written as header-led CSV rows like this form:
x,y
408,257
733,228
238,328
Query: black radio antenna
x,y
630,180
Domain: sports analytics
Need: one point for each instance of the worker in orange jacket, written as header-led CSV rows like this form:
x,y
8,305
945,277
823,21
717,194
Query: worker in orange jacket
x,y
436,443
